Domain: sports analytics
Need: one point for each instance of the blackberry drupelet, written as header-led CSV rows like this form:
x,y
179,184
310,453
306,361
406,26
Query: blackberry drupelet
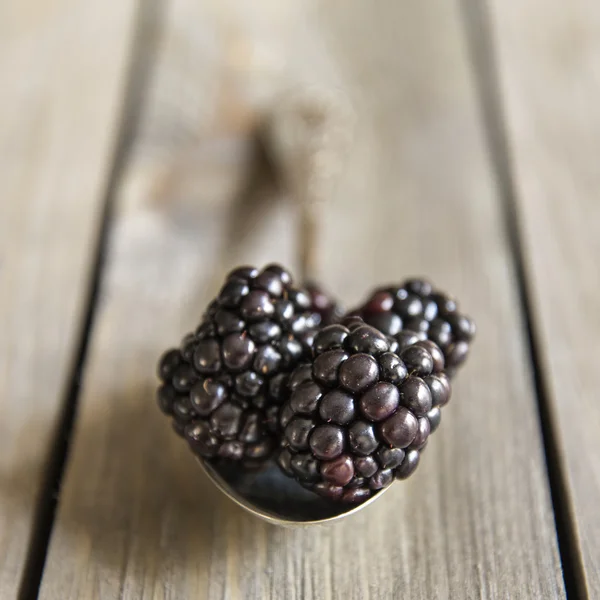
x,y
358,415
330,310
414,310
223,386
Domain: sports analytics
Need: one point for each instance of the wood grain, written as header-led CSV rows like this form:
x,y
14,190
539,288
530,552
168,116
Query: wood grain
x,y
136,518
59,109
550,87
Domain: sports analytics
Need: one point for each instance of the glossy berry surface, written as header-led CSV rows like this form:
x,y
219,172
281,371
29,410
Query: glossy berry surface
x,y
358,415
414,310
223,387
328,308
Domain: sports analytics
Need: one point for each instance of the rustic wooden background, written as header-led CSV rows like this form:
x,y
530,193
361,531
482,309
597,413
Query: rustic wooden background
x,y
130,181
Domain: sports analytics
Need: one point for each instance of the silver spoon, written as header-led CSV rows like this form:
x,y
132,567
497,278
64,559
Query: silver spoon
x,y
308,134
274,497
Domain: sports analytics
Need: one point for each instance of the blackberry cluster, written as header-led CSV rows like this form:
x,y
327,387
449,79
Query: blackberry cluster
x,y
359,414
223,386
415,306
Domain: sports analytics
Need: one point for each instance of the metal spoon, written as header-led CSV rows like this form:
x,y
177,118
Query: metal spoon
x,y
273,497
307,135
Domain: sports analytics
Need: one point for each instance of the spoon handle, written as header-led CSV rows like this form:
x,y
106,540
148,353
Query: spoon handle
x,y
308,135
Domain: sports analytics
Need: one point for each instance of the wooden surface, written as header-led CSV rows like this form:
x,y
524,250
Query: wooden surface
x,y
58,126
136,518
555,143
427,190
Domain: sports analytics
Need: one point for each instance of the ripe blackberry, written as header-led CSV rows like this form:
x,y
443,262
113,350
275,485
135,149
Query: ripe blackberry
x,y
330,310
414,306
223,386
358,415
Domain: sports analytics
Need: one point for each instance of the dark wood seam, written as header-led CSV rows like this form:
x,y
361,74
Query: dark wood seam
x,y
143,44
479,33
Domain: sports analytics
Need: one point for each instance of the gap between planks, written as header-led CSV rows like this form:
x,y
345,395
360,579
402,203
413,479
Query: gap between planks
x,y
481,41
144,40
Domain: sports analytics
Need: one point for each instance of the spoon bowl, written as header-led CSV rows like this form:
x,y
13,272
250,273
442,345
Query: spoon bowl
x,y
274,497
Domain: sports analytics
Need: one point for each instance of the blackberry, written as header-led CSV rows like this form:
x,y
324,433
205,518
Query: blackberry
x,y
414,310
358,415
330,310
223,387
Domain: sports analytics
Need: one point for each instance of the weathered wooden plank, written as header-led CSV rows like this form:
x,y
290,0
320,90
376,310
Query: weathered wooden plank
x,y
136,518
62,68
550,90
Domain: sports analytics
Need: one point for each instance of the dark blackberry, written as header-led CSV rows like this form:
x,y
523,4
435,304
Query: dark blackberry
x,y
330,310
358,415
223,387
415,310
